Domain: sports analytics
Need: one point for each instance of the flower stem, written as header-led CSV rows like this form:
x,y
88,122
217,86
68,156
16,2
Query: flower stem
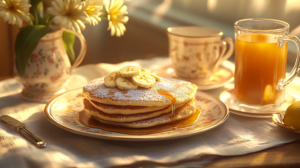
x,y
36,18
104,17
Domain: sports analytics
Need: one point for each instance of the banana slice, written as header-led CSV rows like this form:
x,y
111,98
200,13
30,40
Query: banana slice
x,y
125,84
111,79
143,79
144,70
155,76
130,71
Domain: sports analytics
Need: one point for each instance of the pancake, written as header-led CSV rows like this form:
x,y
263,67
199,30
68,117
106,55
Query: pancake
x,y
183,112
92,111
114,109
183,91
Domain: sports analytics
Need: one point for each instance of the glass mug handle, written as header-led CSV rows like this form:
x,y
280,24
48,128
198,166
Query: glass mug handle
x,y
82,51
223,56
281,41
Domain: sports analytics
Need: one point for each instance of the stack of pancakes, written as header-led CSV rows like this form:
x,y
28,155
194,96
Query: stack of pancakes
x,y
141,107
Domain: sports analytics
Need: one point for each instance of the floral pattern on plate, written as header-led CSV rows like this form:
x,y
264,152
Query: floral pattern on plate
x,y
62,111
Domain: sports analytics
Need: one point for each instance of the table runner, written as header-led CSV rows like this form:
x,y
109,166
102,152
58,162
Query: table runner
x,y
237,136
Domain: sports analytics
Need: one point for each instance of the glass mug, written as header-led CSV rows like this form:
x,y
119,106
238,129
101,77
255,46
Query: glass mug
x,y
260,61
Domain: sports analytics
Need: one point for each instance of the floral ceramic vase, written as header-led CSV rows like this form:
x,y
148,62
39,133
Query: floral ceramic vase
x,y
49,67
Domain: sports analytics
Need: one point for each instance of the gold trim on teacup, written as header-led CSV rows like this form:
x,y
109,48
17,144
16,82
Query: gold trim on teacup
x,y
220,33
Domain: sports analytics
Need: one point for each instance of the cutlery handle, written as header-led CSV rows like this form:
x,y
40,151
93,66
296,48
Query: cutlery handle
x,y
32,137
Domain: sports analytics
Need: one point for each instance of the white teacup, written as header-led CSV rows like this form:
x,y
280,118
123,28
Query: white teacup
x,y
197,51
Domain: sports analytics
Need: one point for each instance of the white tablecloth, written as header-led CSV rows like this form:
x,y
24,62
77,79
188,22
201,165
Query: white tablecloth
x,y
238,135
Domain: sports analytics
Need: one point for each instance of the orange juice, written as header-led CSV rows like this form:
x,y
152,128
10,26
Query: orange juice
x,y
259,63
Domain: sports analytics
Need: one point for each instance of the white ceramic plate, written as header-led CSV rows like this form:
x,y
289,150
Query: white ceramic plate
x,y
62,112
219,78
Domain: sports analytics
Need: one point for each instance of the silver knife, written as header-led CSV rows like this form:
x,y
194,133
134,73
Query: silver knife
x,y
37,141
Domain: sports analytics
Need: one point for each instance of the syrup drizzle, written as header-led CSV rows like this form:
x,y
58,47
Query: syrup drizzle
x,y
89,121
169,95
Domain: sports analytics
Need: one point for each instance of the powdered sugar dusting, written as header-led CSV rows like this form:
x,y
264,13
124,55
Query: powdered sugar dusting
x,y
93,84
181,90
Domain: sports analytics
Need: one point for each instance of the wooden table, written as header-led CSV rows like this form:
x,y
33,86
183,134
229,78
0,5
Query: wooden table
x,y
5,77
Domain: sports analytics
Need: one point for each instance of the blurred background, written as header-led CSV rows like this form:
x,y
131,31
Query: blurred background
x,y
145,35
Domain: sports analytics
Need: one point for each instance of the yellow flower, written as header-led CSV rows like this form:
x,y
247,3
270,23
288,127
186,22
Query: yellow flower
x,y
14,11
68,14
115,11
93,10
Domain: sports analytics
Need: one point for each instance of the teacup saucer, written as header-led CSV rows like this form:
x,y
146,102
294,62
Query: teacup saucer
x,y
251,114
219,78
278,119
228,97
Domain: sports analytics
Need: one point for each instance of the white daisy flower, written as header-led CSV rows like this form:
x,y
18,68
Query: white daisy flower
x,y
68,14
14,11
116,11
93,9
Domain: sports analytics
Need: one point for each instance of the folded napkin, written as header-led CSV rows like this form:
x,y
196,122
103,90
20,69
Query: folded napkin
x,y
237,136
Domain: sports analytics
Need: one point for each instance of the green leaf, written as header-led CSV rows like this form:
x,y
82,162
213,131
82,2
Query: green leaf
x,y
26,41
19,45
68,41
